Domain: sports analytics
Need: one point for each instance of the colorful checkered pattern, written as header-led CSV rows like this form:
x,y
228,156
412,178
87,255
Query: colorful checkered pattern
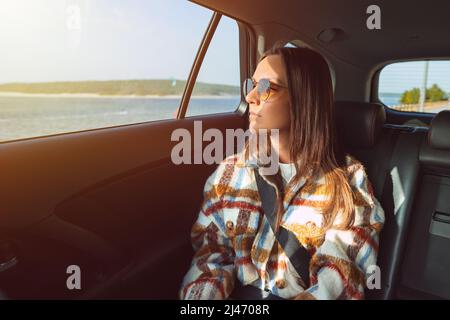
x,y
233,241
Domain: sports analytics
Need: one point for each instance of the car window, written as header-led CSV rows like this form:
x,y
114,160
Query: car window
x,y
76,65
217,88
419,86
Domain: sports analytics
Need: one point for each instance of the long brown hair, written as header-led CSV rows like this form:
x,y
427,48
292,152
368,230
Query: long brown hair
x,y
315,147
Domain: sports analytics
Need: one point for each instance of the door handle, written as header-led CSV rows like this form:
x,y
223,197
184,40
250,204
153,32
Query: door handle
x,y
8,264
8,257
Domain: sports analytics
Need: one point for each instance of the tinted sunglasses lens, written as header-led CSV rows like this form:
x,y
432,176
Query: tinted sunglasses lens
x,y
247,86
263,89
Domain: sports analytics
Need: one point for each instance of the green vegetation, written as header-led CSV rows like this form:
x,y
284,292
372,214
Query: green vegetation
x,y
436,94
432,94
120,87
410,96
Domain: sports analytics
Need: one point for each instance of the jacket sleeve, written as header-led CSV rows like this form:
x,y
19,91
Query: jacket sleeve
x,y
211,274
340,266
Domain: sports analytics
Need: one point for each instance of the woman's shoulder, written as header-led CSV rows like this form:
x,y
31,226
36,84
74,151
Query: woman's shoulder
x,y
367,209
227,170
357,173
363,193
353,164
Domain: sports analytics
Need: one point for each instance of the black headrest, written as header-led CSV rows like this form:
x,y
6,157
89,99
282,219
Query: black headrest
x,y
435,151
439,134
359,123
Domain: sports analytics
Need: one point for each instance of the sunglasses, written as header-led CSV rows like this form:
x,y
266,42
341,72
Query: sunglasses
x,y
263,88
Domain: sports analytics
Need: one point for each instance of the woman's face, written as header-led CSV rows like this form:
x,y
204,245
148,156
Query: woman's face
x,y
273,113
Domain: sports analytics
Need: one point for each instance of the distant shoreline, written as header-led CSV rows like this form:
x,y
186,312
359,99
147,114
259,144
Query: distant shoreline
x,y
93,95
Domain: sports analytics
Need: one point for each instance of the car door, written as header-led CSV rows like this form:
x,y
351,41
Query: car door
x,y
92,207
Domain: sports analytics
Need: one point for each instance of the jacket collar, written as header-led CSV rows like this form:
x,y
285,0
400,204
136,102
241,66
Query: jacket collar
x,y
252,164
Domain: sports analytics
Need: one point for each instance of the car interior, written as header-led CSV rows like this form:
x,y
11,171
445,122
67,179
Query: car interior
x,y
111,200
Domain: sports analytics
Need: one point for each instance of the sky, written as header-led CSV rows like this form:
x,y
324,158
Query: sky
x,y
75,40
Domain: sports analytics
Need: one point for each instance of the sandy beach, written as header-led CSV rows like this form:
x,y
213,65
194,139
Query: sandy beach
x,y
93,95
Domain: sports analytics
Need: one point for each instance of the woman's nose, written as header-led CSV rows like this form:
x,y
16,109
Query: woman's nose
x,y
252,97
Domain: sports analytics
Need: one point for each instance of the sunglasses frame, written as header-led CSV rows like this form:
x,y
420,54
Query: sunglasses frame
x,y
263,86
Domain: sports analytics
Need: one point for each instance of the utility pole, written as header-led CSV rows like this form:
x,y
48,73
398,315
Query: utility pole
x,y
423,91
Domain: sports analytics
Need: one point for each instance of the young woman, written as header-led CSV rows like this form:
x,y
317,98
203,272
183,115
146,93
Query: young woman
x,y
323,196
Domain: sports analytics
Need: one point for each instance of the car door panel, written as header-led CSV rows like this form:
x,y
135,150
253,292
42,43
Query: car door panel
x,y
105,200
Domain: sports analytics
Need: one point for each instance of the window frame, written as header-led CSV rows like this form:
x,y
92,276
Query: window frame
x,y
375,86
246,64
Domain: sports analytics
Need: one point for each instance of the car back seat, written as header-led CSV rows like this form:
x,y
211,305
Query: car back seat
x,y
390,154
425,269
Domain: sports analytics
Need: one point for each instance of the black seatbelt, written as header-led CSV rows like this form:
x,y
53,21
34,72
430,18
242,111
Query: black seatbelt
x,y
295,252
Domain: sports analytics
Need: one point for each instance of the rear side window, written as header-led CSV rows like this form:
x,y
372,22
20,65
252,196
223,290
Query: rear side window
x,y
217,88
418,86
77,65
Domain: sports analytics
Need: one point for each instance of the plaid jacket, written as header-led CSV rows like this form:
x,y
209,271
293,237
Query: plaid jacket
x,y
233,239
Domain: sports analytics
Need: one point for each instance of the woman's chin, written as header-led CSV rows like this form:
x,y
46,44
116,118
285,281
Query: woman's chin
x,y
254,126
